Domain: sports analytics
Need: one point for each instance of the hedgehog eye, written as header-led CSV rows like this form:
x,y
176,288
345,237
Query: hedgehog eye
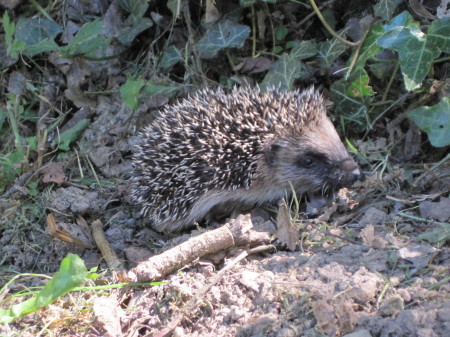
x,y
306,162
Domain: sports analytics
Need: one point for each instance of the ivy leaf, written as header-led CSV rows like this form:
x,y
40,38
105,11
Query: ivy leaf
x,y
359,87
136,8
416,49
283,73
348,105
171,57
385,8
289,66
439,34
304,50
370,47
127,35
223,34
329,51
435,121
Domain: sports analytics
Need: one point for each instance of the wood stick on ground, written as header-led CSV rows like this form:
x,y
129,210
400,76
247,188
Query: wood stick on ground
x,y
102,243
237,233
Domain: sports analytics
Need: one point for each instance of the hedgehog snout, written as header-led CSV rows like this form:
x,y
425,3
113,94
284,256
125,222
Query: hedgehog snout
x,y
352,171
358,175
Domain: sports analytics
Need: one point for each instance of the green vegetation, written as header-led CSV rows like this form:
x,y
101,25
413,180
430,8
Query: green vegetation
x,y
72,273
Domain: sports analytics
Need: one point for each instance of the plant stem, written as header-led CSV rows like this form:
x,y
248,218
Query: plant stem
x,y
254,31
329,29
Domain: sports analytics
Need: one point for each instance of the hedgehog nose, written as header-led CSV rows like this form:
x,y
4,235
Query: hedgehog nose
x,y
358,175
354,172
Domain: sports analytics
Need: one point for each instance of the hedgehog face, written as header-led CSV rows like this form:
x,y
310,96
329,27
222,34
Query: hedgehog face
x,y
314,161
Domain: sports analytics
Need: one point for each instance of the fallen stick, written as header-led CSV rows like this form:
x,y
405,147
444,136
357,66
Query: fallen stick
x,y
102,243
237,233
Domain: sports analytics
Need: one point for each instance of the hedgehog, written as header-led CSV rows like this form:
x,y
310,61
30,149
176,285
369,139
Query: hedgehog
x,y
215,152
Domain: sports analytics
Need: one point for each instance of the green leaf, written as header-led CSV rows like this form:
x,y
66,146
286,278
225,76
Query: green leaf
x,y
328,15
71,274
289,66
223,34
171,57
10,167
34,30
280,33
416,49
127,35
277,50
404,19
67,137
348,106
136,8
38,34
435,121
32,189
87,40
370,47
385,8
358,85
13,47
329,51
9,28
380,70
439,34
283,73
129,91
32,143
44,46
304,50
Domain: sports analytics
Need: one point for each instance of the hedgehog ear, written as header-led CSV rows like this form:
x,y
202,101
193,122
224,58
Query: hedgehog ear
x,y
270,153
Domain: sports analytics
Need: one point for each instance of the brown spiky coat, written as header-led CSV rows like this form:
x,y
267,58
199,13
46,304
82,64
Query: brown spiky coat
x,y
215,152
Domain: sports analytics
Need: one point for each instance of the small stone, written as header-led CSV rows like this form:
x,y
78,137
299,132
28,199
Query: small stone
x,y
392,305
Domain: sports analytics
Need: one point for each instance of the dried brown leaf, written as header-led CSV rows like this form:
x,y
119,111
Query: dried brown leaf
x,y
285,233
54,173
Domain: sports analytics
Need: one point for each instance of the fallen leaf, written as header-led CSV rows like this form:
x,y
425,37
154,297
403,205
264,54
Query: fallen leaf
x,y
61,234
54,173
419,255
435,210
285,233
253,65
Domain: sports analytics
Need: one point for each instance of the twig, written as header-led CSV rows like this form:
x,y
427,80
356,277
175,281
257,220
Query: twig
x,y
239,232
102,243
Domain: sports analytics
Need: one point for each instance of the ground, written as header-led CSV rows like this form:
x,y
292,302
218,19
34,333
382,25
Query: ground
x,y
374,264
